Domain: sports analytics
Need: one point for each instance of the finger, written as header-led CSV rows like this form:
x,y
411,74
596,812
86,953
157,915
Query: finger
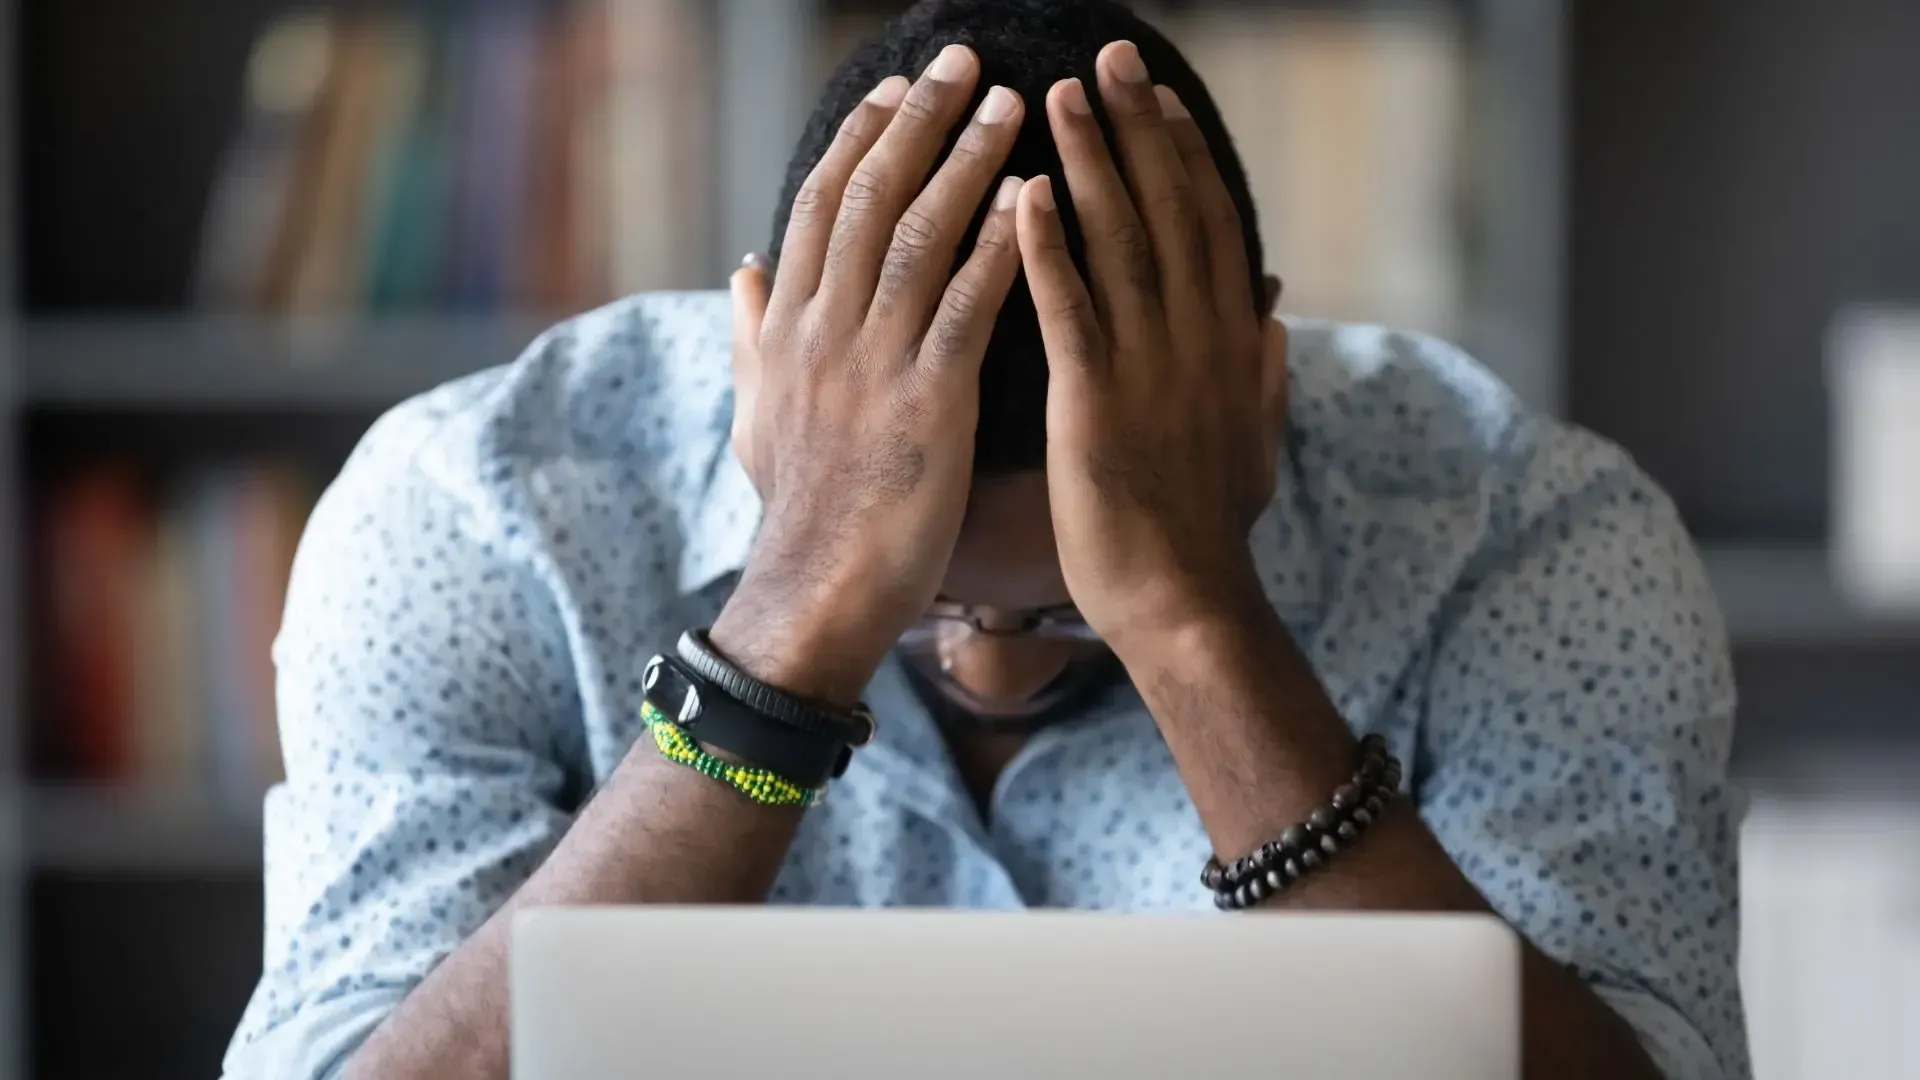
x,y
1162,194
1123,278
1219,219
957,341
919,262
750,296
803,251
1069,329
893,172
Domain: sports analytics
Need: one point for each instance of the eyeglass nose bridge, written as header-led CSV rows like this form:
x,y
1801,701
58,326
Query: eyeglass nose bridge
x,y
1028,623
1036,624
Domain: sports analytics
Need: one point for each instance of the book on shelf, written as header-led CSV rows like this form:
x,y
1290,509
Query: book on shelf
x,y
392,205
158,605
284,79
507,155
490,201
323,273
91,546
657,143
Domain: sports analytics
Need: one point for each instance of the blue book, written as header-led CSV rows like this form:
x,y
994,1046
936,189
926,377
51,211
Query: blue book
x,y
503,52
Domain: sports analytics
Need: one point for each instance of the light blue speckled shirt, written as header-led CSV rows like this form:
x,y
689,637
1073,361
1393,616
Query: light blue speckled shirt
x,y
1509,601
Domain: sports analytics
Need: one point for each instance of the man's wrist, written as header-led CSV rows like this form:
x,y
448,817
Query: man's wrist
x,y
796,647
1227,606
1199,638
1229,638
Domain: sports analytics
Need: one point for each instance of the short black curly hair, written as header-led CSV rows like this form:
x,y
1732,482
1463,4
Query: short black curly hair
x,y
1027,45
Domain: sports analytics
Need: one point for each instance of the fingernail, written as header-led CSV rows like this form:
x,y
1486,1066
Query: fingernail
x,y
1127,63
1042,193
1008,195
952,64
1073,95
997,107
891,91
753,261
1170,106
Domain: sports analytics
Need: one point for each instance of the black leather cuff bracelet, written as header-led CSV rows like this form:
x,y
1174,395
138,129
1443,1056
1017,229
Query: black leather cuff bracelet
x,y
1273,868
854,726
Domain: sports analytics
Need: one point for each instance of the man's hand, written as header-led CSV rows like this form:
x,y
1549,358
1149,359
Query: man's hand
x,y
1162,414
857,381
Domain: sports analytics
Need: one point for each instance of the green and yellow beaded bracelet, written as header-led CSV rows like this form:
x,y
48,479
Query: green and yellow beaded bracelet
x,y
763,786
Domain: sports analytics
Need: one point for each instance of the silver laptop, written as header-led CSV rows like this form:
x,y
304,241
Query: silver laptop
x,y
667,993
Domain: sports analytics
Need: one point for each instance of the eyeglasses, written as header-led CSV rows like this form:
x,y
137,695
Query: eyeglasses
x,y
1059,623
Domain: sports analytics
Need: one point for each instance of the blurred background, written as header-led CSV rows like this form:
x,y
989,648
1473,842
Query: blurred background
x,y
233,232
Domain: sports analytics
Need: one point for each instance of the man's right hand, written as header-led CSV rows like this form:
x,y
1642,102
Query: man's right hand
x,y
857,381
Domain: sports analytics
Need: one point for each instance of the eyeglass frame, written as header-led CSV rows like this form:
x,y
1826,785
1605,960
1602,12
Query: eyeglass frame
x,y
1058,622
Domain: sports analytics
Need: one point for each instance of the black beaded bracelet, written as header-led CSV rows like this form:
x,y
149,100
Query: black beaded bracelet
x,y
1366,793
1273,867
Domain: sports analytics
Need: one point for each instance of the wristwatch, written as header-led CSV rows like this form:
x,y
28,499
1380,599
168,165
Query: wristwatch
x,y
759,730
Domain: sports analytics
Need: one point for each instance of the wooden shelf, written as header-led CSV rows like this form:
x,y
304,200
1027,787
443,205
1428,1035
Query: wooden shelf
x,y
191,363
109,830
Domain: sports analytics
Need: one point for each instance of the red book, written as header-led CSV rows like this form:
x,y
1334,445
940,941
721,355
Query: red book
x,y
96,543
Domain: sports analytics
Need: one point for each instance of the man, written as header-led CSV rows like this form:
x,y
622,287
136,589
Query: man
x,y
1123,566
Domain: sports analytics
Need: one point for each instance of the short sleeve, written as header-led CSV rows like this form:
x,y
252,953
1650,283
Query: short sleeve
x,y
1573,756
427,717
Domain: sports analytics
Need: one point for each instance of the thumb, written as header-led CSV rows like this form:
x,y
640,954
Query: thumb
x,y
750,290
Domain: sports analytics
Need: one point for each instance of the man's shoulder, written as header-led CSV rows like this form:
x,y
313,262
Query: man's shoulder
x,y
591,381
625,407
1398,414
643,380
1406,454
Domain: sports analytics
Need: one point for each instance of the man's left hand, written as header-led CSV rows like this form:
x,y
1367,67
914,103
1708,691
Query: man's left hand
x,y
1166,373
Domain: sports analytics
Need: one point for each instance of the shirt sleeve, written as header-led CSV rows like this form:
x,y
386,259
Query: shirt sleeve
x,y
1573,759
424,706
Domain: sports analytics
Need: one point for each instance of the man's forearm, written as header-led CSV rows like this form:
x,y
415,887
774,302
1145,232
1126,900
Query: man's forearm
x,y
654,833
1260,746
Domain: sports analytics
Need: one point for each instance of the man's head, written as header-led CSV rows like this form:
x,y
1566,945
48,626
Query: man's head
x,y
1005,570
1026,45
